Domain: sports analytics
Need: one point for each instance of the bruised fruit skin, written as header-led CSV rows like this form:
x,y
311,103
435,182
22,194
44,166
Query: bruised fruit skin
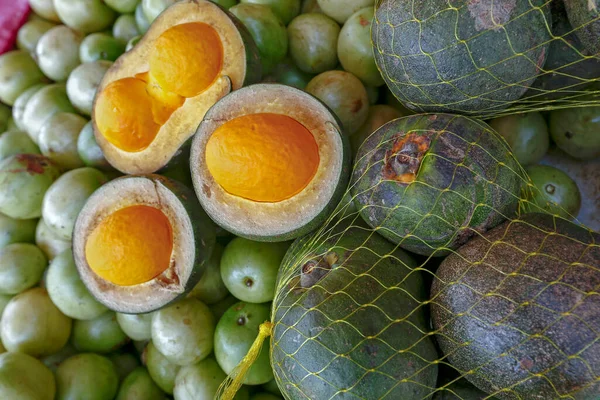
x,y
18,72
430,182
313,40
87,376
57,52
22,376
21,267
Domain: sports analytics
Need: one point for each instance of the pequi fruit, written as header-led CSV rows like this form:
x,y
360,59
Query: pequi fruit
x,y
153,8
518,308
575,131
162,371
160,241
85,15
125,28
122,6
18,72
136,326
48,241
98,335
430,182
139,385
554,192
141,21
313,42
269,162
57,52
341,10
475,59
31,32
583,15
83,83
45,9
57,139
152,99
349,318
202,381
89,151
86,376
286,10
21,267
16,230
100,46
16,142
24,377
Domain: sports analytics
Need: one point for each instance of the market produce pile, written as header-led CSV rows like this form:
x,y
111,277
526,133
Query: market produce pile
x,y
300,199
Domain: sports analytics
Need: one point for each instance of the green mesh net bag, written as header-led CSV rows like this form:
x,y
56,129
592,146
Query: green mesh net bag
x,y
437,278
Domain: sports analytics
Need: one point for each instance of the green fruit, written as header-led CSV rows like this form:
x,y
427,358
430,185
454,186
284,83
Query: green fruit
x,y
88,149
289,74
345,94
526,134
460,389
136,326
202,381
100,46
25,378
48,241
313,42
57,52
16,230
99,335
265,396
583,15
272,388
54,360
139,385
430,182
527,307
554,192
355,49
575,131
58,139
249,269
68,292
86,376
19,107
210,288
475,59
24,179
85,15
32,324
45,9
153,8
183,331
267,30
131,44
66,197
18,72
234,335
122,6
124,364
16,142
379,115
227,4
125,28
83,82
162,371
286,10
31,32
219,308
341,10
21,267
373,94
310,6
42,105
5,115
141,21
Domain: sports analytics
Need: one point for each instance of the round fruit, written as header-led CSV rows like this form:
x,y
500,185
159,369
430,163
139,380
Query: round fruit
x,y
32,324
526,134
575,131
57,139
269,162
16,230
249,269
86,376
124,364
341,10
31,32
18,72
16,142
125,28
48,241
272,388
54,360
24,377
68,292
46,102
100,46
139,385
88,149
153,8
99,335
5,115
289,74
265,396
45,9
162,371
21,267
286,10
141,21
227,4
57,52
210,288
219,308
83,83
313,40
554,192
234,336
379,115
160,241
583,15
85,15
136,326
122,6
202,381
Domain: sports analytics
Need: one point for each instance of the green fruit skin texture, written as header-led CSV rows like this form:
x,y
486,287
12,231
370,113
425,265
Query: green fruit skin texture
x,y
583,15
202,381
227,4
125,28
32,324
460,390
100,46
153,8
83,83
249,269
48,241
5,115
475,59
68,292
265,396
58,139
555,192
85,15
575,131
136,326
236,331
19,106
162,371
343,317
86,376
139,385
99,335
88,149
124,364
220,307
16,142
286,10
18,72
526,134
24,179
341,10
21,267
122,6
313,42
467,182
31,32
57,52
211,289
535,277
16,231
289,74
140,19
54,360
25,378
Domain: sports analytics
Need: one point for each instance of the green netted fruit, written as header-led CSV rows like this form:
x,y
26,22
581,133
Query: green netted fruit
x,y
141,21
460,389
31,32
19,107
86,376
286,10
124,364
162,371
153,8
21,267
85,15
355,50
32,324
125,28
349,318
99,335
554,192
45,9
202,381
345,94
122,6
525,321
100,46
24,179
139,385
430,182
42,105
379,115
58,139
48,241
24,377
83,82
583,15
575,130
68,292
526,134
16,230
478,58
16,142
313,42
236,331
88,149
341,10
57,52
18,72
210,288
136,326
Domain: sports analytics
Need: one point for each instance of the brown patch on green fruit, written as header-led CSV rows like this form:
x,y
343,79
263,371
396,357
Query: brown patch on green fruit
x,y
402,162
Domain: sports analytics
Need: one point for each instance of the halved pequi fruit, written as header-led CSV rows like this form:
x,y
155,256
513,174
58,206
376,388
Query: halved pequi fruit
x,y
141,242
152,99
269,162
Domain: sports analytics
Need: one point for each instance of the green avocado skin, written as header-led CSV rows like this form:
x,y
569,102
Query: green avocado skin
x,y
529,306
340,332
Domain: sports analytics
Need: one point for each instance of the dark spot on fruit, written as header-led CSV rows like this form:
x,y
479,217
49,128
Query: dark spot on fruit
x,y
248,282
33,164
206,190
550,188
187,321
402,162
362,21
241,321
239,307
526,363
569,135
356,106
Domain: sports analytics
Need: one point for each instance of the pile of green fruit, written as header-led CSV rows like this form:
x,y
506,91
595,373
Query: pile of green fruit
x,y
175,174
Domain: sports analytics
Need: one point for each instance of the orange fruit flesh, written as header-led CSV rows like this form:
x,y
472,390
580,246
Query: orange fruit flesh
x,y
184,61
131,246
262,157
